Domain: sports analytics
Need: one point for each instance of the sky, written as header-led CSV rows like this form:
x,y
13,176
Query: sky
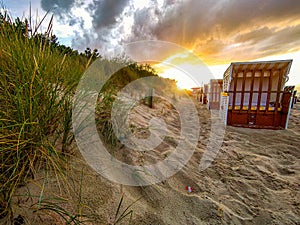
x,y
216,31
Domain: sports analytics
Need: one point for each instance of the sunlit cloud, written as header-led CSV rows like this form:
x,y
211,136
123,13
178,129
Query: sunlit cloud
x,y
218,32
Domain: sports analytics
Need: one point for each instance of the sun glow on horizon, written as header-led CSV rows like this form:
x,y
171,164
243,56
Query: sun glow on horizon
x,y
183,81
186,68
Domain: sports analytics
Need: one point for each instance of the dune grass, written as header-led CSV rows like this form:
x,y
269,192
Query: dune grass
x,y
37,82
38,78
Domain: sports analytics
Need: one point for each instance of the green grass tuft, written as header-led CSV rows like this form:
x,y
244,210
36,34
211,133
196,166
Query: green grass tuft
x,y
37,83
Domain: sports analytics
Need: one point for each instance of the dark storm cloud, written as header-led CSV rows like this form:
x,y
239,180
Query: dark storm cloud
x,y
144,22
105,15
59,7
105,12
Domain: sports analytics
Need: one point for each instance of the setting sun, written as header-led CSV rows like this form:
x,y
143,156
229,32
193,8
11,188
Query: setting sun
x,y
186,68
182,79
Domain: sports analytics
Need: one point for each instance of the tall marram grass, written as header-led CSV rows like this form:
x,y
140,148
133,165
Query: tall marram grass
x,y
37,82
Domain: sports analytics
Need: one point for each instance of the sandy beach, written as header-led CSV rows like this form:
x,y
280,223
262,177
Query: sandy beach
x,y
255,179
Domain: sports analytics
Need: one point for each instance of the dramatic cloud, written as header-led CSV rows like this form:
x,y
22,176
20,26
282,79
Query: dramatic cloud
x,y
60,7
106,12
217,30
210,28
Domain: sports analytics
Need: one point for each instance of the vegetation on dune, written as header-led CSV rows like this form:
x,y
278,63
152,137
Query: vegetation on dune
x,y
38,78
115,84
